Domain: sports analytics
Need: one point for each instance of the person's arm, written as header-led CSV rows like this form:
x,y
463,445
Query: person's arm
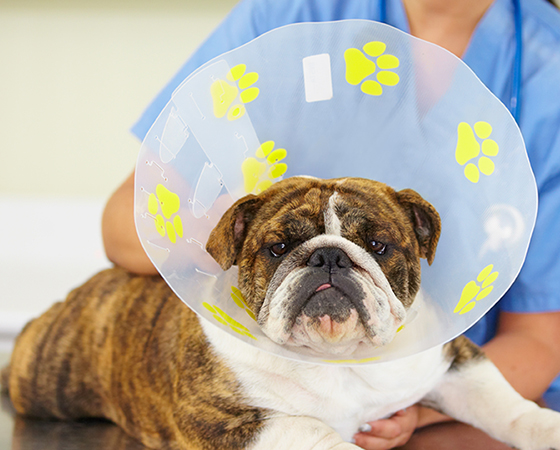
x,y
526,349
122,245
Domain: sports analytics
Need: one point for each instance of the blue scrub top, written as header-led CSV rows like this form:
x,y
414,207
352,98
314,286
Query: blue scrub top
x,y
490,55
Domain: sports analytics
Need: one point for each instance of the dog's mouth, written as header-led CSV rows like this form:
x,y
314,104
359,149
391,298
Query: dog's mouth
x,y
331,299
332,314
329,317
335,298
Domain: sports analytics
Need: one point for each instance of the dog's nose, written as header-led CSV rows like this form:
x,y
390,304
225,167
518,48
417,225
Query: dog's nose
x,y
330,259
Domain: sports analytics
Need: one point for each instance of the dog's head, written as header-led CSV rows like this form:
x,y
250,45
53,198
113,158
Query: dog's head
x,y
330,265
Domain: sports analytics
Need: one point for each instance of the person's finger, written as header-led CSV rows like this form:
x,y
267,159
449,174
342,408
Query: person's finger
x,y
388,433
403,421
369,442
384,428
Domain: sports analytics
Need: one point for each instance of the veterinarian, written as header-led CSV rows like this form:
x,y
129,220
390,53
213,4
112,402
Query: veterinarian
x,y
514,48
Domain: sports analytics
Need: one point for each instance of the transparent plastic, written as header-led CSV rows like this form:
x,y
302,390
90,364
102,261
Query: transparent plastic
x,y
339,99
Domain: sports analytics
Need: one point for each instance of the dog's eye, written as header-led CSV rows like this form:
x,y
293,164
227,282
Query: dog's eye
x,y
378,247
278,250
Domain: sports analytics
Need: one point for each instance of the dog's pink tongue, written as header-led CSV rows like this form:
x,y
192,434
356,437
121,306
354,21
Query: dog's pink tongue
x,y
323,287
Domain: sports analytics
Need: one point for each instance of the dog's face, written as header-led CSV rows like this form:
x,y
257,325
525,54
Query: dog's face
x,y
330,265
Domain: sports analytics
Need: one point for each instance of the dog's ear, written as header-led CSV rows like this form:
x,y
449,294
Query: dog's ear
x,y
226,239
425,219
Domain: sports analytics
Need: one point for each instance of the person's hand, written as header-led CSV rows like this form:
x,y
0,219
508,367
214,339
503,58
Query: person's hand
x,y
388,433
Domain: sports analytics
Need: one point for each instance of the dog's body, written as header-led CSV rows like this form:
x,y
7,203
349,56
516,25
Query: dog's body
x,y
328,265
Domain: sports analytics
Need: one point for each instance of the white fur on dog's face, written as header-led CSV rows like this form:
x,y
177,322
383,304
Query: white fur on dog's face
x,y
364,310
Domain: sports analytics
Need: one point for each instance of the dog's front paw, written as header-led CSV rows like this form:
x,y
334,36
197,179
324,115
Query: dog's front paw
x,y
538,429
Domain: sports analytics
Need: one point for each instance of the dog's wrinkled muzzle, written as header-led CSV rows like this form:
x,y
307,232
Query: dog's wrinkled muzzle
x,y
336,300
328,289
328,307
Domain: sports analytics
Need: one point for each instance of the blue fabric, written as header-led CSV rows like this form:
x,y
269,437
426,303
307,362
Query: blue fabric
x,y
537,288
491,56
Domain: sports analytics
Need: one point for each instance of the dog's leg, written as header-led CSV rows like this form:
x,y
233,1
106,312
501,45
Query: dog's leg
x,y
299,432
474,391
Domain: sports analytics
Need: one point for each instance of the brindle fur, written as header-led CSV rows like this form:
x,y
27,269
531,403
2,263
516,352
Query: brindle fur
x,y
461,350
125,348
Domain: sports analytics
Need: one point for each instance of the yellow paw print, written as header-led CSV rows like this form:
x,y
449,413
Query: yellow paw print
x,y
259,172
469,148
225,94
228,321
472,292
237,297
169,203
359,67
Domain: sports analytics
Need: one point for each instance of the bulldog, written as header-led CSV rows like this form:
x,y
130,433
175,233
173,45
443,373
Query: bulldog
x,y
329,267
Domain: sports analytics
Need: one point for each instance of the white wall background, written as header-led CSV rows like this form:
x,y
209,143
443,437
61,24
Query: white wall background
x,y
74,76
